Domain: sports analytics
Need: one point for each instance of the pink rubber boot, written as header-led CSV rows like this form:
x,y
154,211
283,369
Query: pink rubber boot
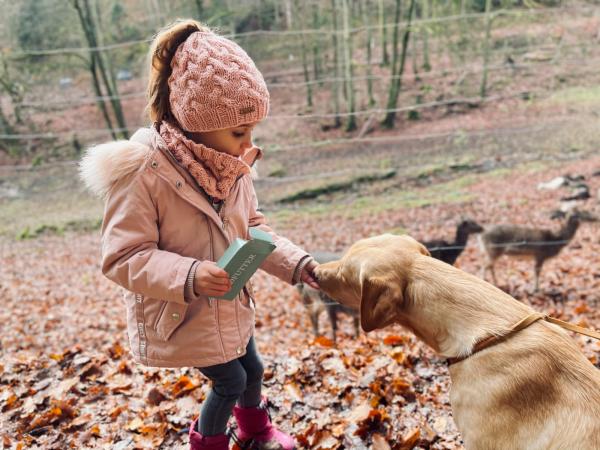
x,y
199,442
255,430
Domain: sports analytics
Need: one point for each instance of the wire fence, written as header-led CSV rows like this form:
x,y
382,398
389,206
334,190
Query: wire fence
x,y
428,75
462,134
458,134
432,75
310,31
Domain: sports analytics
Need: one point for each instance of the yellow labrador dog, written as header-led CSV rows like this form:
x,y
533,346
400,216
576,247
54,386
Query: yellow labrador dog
x,y
516,384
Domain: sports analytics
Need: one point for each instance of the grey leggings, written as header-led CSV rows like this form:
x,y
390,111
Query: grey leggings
x,y
238,380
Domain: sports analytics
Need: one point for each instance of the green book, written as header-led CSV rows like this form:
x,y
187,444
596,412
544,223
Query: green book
x,y
242,259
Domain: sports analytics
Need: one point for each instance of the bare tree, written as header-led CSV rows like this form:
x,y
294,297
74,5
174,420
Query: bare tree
x,y
304,50
348,72
369,44
99,70
425,36
316,24
288,14
486,47
335,85
199,9
398,61
385,57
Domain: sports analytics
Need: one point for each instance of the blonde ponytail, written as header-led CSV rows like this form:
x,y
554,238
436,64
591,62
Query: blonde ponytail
x,y
161,52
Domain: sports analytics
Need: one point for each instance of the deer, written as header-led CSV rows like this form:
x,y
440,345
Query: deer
x,y
316,301
537,243
450,251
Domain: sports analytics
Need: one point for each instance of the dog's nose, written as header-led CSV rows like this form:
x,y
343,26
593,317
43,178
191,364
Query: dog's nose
x,y
317,273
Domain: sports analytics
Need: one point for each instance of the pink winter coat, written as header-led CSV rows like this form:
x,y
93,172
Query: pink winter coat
x,y
156,225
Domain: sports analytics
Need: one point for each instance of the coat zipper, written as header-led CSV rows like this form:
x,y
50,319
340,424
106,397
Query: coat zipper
x,y
212,253
215,308
224,224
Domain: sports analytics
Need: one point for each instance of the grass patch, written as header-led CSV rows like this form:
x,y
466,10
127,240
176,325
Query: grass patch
x,y
312,193
581,95
73,225
449,192
46,201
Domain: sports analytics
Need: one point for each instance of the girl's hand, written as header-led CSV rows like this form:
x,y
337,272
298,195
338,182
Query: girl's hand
x,y
211,280
307,274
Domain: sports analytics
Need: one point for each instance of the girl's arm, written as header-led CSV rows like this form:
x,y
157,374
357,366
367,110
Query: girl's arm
x,y
287,258
130,254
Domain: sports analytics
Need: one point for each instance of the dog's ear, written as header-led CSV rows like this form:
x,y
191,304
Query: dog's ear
x,y
423,250
411,244
378,303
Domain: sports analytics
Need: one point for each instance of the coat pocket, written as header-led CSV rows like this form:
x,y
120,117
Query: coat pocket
x,y
249,292
171,316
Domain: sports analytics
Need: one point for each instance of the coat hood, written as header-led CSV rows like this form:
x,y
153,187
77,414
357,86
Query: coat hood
x,y
103,165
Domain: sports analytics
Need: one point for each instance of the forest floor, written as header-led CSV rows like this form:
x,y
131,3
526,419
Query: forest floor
x,y
68,381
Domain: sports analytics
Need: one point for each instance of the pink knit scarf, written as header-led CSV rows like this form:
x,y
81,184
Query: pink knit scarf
x,y
215,172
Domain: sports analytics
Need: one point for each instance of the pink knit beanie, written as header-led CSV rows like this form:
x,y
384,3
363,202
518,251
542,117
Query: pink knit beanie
x,y
214,85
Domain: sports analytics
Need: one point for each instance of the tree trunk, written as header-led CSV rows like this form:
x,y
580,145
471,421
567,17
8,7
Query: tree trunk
x,y
199,9
425,37
348,75
385,57
92,65
5,125
486,48
277,15
288,14
413,52
100,101
13,89
463,24
300,14
97,65
156,14
230,9
315,41
106,70
397,64
336,66
367,23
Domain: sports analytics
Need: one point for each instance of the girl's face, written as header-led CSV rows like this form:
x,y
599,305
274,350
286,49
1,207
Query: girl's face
x,y
233,141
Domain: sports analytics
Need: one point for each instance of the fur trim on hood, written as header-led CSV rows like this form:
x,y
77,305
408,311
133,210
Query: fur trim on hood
x,y
103,165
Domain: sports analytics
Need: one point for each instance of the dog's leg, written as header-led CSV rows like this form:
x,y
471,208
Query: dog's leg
x,y
538,269
314,318
332,311
356,327
489,267
494,275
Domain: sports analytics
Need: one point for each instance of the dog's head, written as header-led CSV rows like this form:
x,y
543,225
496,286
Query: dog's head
x,y
372,277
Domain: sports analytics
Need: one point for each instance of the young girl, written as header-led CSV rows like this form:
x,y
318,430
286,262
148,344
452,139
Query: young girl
x,y
177,194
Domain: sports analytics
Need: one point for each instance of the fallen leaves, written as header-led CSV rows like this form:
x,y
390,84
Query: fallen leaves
x,y
58,412
182,386
323,341
68,373
410,439
393,340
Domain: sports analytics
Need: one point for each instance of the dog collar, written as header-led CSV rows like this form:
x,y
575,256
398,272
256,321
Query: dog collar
x,y
522,324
